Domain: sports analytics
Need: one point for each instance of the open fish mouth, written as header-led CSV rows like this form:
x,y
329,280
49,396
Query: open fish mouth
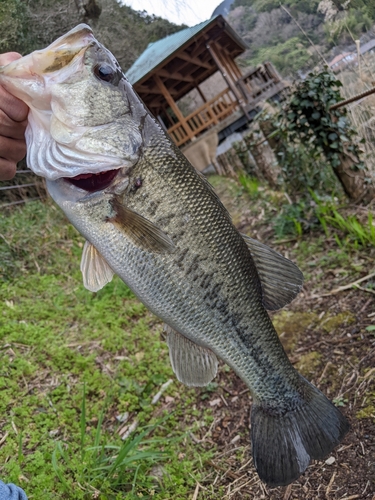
x,y
93,182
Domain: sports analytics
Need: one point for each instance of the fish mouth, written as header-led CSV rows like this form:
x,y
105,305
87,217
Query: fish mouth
x,y
93,182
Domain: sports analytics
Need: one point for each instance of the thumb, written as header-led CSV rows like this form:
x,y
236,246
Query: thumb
x,y
8,57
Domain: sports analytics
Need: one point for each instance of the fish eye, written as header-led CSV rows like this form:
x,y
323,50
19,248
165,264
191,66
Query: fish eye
x,y
104,72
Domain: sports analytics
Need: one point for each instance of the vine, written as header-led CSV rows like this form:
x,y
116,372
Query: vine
x,y
311,136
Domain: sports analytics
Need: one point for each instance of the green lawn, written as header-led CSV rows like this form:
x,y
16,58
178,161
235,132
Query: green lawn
x,y
56,337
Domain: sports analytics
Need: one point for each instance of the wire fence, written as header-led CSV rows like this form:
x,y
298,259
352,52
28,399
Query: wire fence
x,y
23,189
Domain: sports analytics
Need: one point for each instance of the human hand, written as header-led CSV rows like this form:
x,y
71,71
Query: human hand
x,y
13,121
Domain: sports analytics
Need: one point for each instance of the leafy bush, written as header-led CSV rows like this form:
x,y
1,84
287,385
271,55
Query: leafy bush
x,y
313,137
307,117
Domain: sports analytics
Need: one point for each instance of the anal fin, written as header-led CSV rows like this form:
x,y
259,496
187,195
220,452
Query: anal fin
x,y
193,365
96,273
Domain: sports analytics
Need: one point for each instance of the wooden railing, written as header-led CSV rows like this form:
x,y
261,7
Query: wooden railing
x,y
256,85
260,83
210,113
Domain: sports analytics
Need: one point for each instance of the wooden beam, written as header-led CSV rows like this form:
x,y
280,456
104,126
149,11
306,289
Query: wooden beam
x,y
194,60
176,93
201,93
174,106
175,75
142,89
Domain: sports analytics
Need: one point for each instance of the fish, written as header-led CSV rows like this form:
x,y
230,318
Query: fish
x,y
149,217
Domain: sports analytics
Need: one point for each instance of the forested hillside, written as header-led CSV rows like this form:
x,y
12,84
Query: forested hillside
x,y
272,32
27,26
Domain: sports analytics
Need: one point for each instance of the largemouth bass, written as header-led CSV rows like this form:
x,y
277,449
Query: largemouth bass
x,y
150,218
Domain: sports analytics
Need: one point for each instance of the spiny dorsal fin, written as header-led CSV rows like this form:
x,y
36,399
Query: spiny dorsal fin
x,y
280,278
193,365
141,231
96,273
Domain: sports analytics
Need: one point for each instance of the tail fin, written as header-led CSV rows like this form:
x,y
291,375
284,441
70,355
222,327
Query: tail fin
x,y
284,444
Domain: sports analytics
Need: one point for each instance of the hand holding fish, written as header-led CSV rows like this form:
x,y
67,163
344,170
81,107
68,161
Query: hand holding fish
x,y
13,121
148,216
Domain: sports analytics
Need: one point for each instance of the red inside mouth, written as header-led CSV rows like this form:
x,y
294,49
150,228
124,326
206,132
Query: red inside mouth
x,y
93,182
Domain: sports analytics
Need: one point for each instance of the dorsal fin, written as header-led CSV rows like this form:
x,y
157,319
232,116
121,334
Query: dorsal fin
x,y
281,279
96,273
193,365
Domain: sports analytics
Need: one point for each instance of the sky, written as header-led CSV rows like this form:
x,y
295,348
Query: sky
x,y
189,12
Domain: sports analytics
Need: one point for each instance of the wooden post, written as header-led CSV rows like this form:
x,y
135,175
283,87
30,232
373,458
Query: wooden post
x,y
236,73
226,77
173,105
201,93
236,69
272,71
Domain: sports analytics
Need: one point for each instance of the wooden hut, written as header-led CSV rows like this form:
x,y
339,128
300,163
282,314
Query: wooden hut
x,y
170,68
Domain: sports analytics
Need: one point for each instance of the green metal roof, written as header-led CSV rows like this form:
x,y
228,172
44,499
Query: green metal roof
x,y
158,51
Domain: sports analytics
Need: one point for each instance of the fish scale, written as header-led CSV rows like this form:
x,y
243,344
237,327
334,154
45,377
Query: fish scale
x,y
150,218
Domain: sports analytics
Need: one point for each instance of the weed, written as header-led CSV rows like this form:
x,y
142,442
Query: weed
x,y
105,467
294,220
329,217
250,184
340,401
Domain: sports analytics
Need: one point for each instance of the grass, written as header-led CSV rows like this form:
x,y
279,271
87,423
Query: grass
x,y
55,337
250,185
98,462
354,230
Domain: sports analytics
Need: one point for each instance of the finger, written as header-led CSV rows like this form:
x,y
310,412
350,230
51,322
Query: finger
x,y
12,149
10,128
7,169
9,57
12,106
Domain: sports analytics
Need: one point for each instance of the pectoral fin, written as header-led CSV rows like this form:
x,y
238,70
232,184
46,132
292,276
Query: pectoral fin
x,y
96,273
140,230
193,365
281,279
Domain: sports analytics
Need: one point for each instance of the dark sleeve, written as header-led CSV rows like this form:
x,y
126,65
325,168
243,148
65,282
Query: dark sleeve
x,y
11,492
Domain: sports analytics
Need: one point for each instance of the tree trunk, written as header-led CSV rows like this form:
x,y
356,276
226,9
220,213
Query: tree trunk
x,y
88,9
354,182
264,157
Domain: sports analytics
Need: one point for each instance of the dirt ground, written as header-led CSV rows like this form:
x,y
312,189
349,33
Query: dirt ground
x,y
325,337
